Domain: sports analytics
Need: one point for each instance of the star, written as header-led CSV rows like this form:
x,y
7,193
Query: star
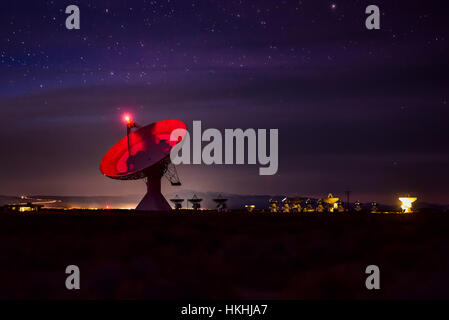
x,y
333,6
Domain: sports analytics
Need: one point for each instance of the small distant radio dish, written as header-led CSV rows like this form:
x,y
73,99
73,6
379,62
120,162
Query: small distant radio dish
x,y
331,202
221,203
145,154
177,201
196,202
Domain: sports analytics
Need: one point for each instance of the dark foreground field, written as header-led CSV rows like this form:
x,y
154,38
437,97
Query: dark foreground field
x,y
213,256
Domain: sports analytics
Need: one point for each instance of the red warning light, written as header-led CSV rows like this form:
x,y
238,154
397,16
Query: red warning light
x,y
127,118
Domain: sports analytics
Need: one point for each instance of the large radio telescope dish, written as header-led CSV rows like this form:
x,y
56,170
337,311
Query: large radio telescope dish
x,y
145,153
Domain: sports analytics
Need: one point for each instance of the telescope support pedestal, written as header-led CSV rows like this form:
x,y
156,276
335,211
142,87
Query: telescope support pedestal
x,y
153,199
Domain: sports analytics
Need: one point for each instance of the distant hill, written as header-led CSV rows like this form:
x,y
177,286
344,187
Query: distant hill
x,y
79,201
9,200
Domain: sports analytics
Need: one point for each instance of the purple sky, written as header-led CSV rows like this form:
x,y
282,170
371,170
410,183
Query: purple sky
x,y
358,109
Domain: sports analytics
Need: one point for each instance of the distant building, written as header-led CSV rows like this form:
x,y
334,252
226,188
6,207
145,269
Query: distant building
x,y
22,207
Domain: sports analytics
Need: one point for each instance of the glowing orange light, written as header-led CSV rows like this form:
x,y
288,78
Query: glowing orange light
x,y
407,203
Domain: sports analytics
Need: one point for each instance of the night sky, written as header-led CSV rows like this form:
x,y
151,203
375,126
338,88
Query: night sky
x,y
358,109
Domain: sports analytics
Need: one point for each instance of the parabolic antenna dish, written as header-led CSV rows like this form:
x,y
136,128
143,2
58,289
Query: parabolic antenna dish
x,y
331,199
144,153
148,146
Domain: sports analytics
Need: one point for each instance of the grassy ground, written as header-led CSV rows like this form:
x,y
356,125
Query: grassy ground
x,y
232,255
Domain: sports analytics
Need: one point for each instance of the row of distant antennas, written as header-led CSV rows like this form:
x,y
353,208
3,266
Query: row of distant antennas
x,y
196,203
329,204
169,170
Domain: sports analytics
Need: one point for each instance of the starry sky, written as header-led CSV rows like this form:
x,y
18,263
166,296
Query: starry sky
x,y
358,109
